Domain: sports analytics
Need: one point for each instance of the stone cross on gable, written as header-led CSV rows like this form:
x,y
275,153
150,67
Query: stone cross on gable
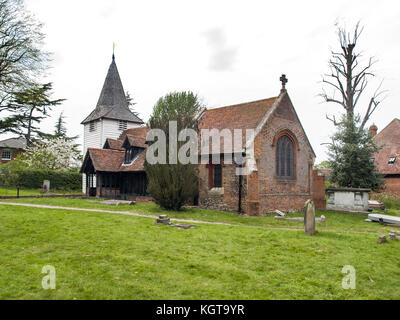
x,y
284,80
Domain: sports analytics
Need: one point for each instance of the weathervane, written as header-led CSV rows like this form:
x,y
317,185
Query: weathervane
x,y
113,50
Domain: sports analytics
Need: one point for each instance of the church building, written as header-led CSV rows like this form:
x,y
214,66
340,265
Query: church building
x,y
109,119
280,171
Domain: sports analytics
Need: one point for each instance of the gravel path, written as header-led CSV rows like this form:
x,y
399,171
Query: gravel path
x,y
172,219
139,215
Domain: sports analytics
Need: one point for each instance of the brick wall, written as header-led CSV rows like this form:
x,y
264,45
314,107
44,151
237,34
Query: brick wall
x,y
262,192
318,190
14,154
274,193
392,184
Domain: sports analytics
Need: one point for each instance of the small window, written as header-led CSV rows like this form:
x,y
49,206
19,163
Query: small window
x,y
92,126
392,160
122,125
131,154
217,176
6,154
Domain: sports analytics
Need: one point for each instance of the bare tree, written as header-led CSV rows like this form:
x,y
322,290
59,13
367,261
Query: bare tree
x,y
349,79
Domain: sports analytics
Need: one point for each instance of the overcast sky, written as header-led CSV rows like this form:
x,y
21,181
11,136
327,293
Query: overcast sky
x,y
228,52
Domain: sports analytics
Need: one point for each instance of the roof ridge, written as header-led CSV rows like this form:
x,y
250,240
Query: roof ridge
x,y
101,149
387,126
240,104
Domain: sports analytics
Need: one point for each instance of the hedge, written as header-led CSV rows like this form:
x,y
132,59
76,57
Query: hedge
x,y
60,180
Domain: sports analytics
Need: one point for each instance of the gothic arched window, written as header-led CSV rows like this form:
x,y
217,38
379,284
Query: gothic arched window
x,y
285,158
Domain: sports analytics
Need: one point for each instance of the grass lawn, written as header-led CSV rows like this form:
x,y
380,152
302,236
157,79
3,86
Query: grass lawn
x,y
334,220
32,192
106,256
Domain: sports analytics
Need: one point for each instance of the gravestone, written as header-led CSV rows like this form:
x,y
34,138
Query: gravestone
x,y
309,218
394,235
46,186
163,219
381,239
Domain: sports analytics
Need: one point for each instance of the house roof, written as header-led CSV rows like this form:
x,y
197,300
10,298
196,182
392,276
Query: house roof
x,y
136,165
136,141
389,140
240,116
113,144
14,143
137,132
112,102
105,160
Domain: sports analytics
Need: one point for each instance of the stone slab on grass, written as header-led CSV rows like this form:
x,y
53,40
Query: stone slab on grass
x,y
114,202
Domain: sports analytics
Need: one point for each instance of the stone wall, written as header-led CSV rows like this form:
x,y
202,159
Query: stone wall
x,y
225,198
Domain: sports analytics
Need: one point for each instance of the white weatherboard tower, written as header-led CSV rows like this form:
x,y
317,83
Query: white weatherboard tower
x,y
111,116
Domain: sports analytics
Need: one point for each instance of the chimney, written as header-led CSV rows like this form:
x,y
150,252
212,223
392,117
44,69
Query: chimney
x,y
373,129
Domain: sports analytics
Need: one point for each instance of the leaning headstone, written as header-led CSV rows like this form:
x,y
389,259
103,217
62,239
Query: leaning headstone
x,y
309,218
46,186
163,219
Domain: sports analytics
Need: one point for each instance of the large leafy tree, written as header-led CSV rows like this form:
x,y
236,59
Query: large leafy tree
x,y
352,147
22,60
171,185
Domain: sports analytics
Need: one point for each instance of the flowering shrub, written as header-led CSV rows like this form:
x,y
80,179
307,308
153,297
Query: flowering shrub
x,y
56,154
57,160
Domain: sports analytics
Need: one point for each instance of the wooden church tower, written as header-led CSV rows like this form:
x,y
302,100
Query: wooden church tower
x,y
111,116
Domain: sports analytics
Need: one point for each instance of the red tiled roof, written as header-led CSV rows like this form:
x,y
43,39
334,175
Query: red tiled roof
x,y
139,132
241,116
136,140
106,160
114,144
389,140
137,164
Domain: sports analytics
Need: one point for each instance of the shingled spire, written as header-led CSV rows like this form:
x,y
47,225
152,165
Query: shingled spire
x,y
112,94
112,102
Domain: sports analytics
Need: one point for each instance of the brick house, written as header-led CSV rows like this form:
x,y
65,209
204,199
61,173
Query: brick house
x,y
282,174
387,160
11,148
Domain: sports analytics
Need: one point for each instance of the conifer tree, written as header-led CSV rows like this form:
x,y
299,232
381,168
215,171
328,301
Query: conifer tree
x,y
172,185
